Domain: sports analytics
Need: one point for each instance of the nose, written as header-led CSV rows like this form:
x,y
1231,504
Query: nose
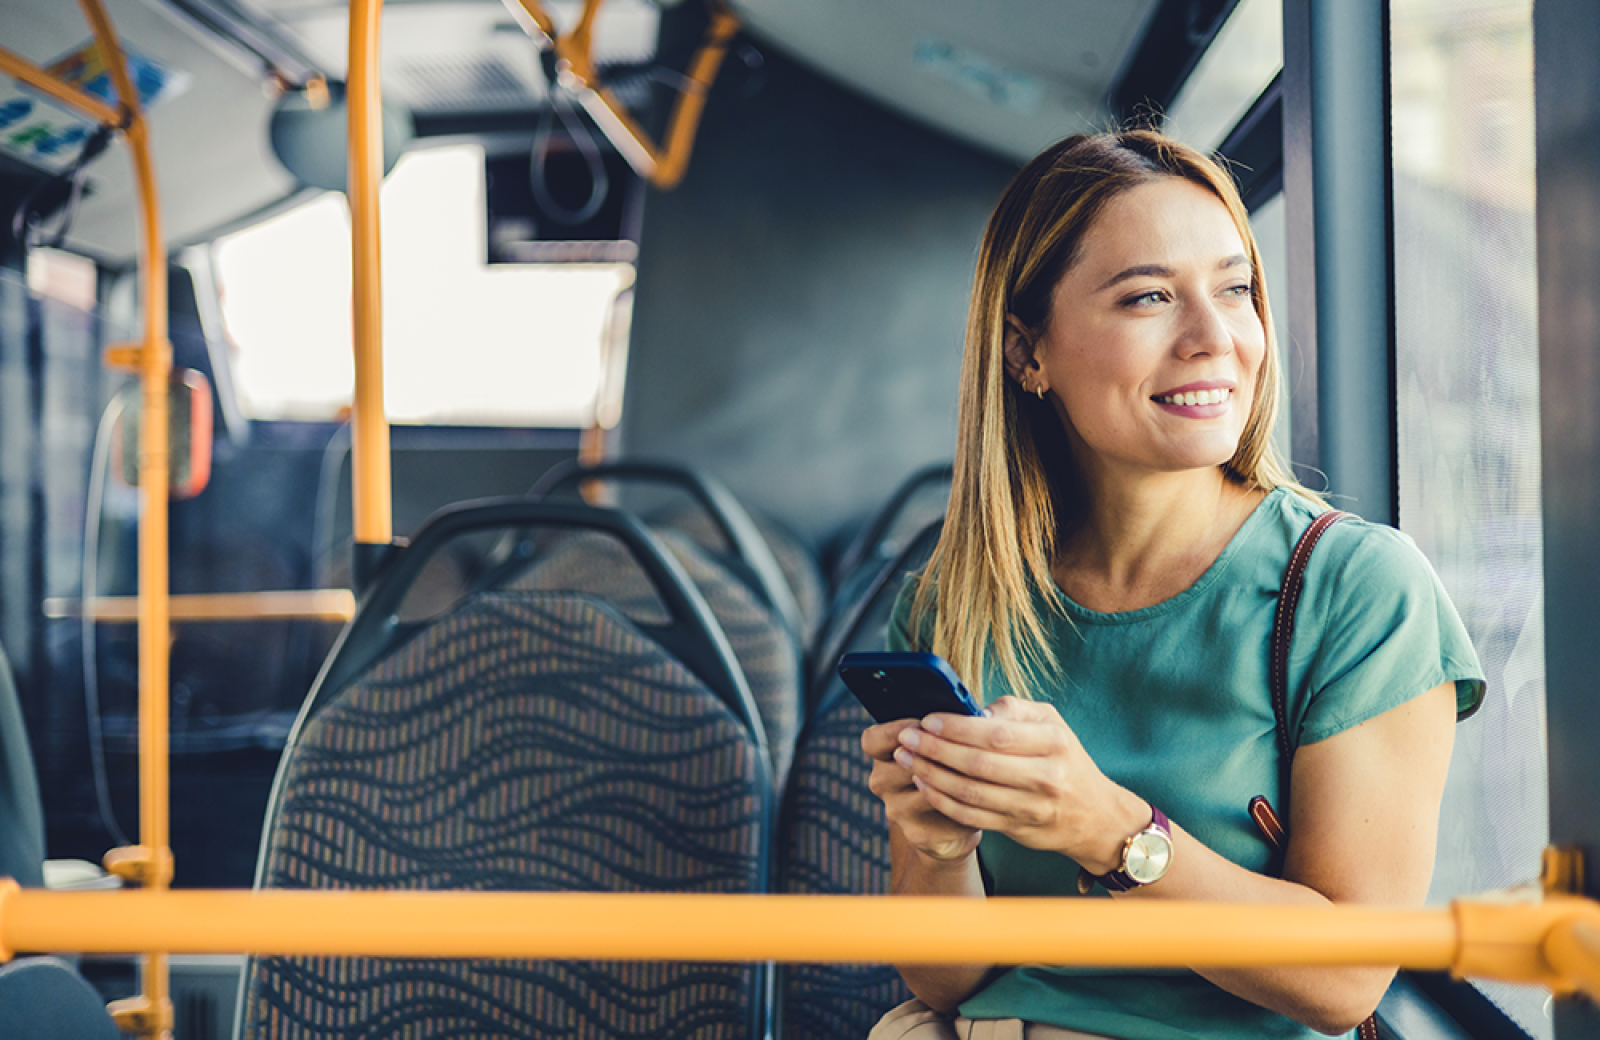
x,y
1205,330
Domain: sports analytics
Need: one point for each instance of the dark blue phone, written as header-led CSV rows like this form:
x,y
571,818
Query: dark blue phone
x,y
906,685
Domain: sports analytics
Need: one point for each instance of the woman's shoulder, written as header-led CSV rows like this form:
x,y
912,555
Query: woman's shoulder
x,y
1371,594
1358,548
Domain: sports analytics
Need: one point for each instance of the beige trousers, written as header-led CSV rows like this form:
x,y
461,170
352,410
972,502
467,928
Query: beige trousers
x,y
914,1020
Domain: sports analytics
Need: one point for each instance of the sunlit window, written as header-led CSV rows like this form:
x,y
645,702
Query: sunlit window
x,y
464,343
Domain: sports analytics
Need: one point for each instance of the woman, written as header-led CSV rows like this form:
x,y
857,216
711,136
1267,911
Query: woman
x,y
1117,534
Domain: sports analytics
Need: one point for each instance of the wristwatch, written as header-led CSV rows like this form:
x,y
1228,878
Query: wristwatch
x,y
1146,858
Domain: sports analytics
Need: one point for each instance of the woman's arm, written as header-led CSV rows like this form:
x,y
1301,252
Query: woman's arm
x,y
1364,809
929,855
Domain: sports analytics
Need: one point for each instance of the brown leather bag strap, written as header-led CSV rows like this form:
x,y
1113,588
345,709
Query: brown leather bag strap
x,y
1294,580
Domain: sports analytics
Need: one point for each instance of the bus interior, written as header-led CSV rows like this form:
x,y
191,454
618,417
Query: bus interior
x,y
746,340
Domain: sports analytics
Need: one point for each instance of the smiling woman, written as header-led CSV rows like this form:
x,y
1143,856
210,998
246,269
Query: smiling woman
x,y
1106,582
1157,311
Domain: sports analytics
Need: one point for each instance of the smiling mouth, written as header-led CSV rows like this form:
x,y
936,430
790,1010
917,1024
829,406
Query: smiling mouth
x,y
1195,397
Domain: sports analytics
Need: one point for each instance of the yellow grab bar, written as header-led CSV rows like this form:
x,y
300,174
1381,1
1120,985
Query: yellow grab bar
x,y
1549,943
286,605
149,862
371,501
662,166
42,80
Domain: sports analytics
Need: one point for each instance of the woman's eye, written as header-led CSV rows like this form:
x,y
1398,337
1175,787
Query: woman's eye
x,y
1244,291
1145,299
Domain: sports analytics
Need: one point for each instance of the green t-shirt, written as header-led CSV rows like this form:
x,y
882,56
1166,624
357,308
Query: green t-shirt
x,y
1172,702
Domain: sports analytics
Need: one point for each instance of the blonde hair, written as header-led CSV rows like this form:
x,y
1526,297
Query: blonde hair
x,y
1015,481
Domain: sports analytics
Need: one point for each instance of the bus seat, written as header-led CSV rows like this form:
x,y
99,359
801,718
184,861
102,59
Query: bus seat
x,y
564,748
21,811
919,500
42,998
862,622
599,566
798,564
729,531
833,837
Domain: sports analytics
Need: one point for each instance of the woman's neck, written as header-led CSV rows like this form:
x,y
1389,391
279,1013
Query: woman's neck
x,y
1141,542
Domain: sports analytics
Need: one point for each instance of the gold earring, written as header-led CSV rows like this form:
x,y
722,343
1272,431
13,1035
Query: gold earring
x,y
1039,389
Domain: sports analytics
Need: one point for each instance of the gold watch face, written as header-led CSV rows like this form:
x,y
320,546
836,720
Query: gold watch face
x,y
1148,856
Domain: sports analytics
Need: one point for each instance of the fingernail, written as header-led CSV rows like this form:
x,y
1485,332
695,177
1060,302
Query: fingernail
x,y
933,724
903,758
910,738
917,782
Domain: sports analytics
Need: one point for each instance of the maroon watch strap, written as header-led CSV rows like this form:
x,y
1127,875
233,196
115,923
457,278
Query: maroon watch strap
x,y
1119,880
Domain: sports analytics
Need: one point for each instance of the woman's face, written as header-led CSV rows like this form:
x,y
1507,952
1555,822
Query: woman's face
x,y
1153,343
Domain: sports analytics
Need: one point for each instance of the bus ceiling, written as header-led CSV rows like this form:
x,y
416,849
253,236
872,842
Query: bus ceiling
x,y
1006,83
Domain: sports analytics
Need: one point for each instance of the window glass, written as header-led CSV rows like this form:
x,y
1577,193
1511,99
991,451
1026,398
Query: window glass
x,y
1467,378
1235,69
464,342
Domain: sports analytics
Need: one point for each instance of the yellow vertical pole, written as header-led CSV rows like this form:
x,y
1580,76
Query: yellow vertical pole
x,y
149,863
369,435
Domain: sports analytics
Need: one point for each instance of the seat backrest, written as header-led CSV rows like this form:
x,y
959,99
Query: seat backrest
x,y
41,998
21,811
795,560
735,537
526,742
833,836
598,565
920,500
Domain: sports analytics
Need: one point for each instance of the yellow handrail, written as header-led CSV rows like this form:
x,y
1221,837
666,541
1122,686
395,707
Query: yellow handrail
x,y
150,862
662,166
371,493
1549,943
44,81
286,605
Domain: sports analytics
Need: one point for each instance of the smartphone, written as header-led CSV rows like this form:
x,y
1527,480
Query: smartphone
x,y
906,685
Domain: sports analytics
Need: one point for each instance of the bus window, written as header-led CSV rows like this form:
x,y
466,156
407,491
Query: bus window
x,y
1236,68
1467,382
511,345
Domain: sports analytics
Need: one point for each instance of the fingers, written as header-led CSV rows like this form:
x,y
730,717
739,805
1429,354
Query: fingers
x,y
880,741
1017,728
906,809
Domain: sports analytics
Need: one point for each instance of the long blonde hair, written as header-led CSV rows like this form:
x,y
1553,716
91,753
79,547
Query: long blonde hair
x,y
1015,481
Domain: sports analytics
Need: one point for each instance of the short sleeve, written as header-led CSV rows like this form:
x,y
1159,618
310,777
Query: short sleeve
x,y
1374,629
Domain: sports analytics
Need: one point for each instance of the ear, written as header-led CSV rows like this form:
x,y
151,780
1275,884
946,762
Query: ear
x,y
1019,349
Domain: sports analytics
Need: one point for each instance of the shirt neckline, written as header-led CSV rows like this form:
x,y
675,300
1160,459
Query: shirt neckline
x,y
1246,531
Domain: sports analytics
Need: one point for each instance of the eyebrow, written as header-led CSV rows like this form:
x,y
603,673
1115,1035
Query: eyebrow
x,y
1161,271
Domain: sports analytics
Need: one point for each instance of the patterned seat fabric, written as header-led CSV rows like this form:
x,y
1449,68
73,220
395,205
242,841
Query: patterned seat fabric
x,y
833,835
796,562
834,840
529,742
598,565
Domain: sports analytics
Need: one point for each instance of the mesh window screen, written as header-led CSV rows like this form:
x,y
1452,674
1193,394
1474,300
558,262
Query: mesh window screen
x,y
1468,385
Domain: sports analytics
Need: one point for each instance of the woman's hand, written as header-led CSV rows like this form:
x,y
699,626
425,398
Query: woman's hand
x,y
929,832
1023,773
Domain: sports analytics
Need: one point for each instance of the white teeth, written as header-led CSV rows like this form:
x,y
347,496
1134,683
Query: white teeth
x,y
1196,397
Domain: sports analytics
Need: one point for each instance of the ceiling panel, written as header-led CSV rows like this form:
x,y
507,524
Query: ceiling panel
x,y
1009,75
222,114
